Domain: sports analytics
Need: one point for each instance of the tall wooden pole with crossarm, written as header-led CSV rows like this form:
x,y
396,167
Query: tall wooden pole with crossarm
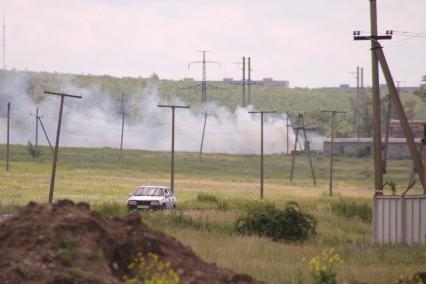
x,y
58,132
172,160
261,147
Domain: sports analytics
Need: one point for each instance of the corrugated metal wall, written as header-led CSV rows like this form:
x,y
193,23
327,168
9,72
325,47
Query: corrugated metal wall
x,y
399,220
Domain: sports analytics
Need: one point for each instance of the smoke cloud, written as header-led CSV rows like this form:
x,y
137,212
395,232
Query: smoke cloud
x,y
95,121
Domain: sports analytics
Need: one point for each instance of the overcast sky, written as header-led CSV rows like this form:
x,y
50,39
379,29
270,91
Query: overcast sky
x,y
308,42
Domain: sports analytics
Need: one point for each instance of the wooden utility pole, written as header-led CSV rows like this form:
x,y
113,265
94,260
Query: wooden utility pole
x,y
36,137
377,137
379,57
307,148
249,81
261,146
36,116
377,133
401,115
8,137
287,126
45,134
123,114
204,131
58,132
357,112
387,130
333,124
244,82
172,160
363,104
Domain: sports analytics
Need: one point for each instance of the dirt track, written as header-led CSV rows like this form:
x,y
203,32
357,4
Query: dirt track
x,y
56,244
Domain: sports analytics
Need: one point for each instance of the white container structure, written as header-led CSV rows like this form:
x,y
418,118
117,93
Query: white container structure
x,y
399,219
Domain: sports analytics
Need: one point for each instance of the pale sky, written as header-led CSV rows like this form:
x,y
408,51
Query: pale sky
x,y
308,42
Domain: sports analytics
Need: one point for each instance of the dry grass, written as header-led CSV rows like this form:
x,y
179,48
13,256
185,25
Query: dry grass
x,y
98,177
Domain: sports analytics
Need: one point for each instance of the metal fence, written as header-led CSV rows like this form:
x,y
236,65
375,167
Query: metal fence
x,y
400,220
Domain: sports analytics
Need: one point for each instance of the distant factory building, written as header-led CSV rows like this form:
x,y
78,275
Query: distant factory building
x,y
363,147
395,130
264,82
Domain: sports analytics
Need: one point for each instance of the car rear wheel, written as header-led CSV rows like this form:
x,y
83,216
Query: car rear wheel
x,y
163,207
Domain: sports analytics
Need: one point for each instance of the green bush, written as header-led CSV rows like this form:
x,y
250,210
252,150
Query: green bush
x,y
363,152
289,223
352,209
33,150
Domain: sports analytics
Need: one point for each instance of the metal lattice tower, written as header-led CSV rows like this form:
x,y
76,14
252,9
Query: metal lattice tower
x,y
4,42
204,82
204,62
249,81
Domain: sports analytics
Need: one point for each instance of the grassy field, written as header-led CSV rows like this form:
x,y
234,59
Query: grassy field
x,y
97,176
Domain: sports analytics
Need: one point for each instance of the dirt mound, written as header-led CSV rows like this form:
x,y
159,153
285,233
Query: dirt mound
x,y
68,243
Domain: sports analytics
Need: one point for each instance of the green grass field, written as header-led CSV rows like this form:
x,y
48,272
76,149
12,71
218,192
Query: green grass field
x,y
97,176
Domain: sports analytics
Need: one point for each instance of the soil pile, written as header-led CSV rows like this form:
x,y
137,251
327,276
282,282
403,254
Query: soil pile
x,y
68,243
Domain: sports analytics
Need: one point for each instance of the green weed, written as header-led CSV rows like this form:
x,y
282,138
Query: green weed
x,y
352,209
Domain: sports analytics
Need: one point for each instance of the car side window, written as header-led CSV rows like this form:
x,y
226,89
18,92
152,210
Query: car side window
x,y
167,193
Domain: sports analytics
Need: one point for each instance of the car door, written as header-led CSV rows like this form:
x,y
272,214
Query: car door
x,y
169,200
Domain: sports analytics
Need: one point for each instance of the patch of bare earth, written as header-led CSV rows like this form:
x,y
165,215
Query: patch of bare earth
x,y
69,243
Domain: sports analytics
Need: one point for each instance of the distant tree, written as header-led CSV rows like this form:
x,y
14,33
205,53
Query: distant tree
x,y
154,76
421,92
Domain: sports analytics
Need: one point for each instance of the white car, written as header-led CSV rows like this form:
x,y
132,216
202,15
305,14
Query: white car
x,y
151,198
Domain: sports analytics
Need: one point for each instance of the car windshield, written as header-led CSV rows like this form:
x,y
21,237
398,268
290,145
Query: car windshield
x,y
149,191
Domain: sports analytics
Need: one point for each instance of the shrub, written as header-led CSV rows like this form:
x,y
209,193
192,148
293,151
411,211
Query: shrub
x,y
150,270
363,152
289,223
352,209
323,268
33,151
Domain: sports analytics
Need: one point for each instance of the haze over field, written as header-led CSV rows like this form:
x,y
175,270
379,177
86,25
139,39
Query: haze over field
x,y
95,121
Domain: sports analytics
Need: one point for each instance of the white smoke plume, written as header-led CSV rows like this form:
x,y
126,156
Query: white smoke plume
x,y
95,121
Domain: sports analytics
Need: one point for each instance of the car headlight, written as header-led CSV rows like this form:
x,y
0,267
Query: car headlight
x,y
155,202
131,202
